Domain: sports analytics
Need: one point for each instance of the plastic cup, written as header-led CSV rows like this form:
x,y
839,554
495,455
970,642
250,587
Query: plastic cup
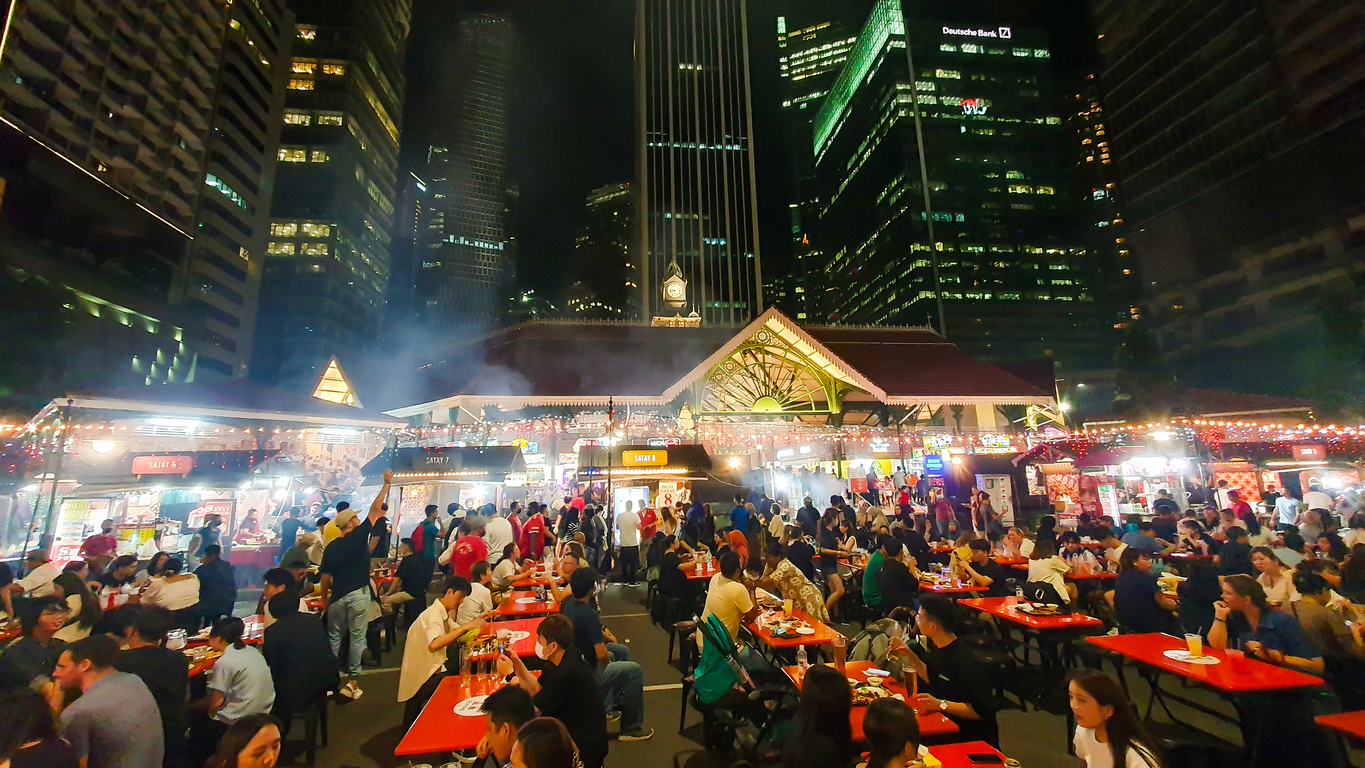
x,y
1195,643
1237,660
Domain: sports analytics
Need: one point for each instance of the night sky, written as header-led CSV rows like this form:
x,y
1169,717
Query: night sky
x,y
572,124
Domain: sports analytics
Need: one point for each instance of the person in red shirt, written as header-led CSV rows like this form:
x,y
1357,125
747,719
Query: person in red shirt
x,y
649,525
534,532
1243,512
514,518
101,547
469,549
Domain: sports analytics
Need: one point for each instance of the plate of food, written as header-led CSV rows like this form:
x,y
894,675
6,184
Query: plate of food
x,y
1040,609
866,693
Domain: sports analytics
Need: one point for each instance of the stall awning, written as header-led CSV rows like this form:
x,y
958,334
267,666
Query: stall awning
x,y
469,463
681,462
207,469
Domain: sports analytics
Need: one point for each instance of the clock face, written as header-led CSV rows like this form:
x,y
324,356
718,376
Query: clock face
x,y
674,291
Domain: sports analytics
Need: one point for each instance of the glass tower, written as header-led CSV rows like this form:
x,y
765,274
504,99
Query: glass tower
x,y
697,201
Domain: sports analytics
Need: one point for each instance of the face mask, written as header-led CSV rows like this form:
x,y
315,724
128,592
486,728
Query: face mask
x,y
540,651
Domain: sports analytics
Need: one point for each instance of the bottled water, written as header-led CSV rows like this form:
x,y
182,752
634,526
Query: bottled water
x,y
802,660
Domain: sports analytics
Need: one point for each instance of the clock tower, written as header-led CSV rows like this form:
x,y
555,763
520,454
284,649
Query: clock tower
x,y
675,298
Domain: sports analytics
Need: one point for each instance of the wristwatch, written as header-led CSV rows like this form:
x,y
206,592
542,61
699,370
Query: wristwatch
x,y
942,705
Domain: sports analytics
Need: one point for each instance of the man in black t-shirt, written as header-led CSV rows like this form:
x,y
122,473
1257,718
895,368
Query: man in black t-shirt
x,y
346,585
566,689
618,679
808,517
123,570
982,571
672,571
380,539
958,684
165,672
411,580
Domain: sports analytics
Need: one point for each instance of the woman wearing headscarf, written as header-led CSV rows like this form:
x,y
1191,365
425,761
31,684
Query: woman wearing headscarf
x,y
739,544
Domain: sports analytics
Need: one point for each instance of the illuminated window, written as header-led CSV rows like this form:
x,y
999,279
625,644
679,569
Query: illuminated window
x,y
228,192
311,229
313,249
297,118
1014,175
1023,53
1045,191
947,47
948,74
1020,189
925,85
925,99
306,31
293,155
1041,53
301,84
304,66
280,249
333,69
280,229
319,156
1054,121
971,48
235,24
330,118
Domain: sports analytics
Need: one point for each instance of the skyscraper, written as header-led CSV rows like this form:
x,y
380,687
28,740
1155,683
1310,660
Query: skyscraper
x,y
696,199
329,254
414,210
175,108
1237,129
814,38
606,283
467,266
998,241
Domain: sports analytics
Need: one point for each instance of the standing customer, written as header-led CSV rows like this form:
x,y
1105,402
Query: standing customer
x,y
289,531
217,585
346,585
115,723
628,537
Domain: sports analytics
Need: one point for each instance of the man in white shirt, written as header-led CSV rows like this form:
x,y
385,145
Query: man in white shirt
x,y
628,536
424,654
1286,511
1316,499
497,534
38,581
480,599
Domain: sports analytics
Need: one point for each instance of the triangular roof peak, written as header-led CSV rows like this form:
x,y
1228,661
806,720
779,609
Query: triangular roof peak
x,y
334,387
793,334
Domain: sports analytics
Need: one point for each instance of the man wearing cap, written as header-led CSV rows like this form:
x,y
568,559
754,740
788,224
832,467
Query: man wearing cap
x,y
346,584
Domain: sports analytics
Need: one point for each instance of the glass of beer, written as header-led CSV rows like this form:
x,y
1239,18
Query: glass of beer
x,y
787,607
1195,643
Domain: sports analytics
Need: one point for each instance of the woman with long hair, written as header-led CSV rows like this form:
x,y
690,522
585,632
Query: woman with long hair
x,y
155,567
28,733
1047,531
1325,626
1353,575
545,743
828,548
821,735
1274,578
1108,733
892,731
1045,566
1332,547
1243,619
252,742
82,607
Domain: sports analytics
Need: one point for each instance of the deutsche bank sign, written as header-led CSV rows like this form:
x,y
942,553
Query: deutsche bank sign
x,y
1003,33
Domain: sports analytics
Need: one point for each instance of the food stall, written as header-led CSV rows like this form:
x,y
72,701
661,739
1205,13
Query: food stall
x,y
470,476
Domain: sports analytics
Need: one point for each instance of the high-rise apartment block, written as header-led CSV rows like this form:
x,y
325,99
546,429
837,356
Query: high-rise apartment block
x,y
329,254
467,264
1236,126
171,107
696,198
1000,238
607,285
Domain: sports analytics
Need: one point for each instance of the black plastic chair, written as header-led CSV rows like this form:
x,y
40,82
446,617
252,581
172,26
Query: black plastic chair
x,y
314,717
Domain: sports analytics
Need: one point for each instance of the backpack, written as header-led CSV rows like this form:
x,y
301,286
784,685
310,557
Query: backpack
x,y
871,645
1045,592
719,669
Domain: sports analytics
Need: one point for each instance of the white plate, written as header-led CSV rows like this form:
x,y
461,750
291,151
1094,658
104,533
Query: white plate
x,y
873,671
517,635
527,600
805,631
898,696
470,707
1182,654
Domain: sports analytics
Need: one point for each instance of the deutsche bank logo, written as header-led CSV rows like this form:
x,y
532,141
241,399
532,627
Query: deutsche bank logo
x,y
1005,33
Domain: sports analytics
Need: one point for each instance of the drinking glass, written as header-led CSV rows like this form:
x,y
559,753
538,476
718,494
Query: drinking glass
x,y
1195,643
787,607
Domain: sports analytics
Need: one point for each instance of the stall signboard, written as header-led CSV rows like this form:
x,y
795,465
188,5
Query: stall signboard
x,y
668,494
77,519
1154,466
661,442
162,465
654,458
1109,500
1310,453
220,507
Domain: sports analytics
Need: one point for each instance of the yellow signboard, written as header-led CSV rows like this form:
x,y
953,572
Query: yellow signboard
x,y
655,458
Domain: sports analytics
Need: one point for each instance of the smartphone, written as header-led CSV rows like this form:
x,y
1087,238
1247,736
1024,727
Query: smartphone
x,y
984,759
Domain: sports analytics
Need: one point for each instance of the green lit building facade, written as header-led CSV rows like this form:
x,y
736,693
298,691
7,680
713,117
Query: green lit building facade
x,y
1005,220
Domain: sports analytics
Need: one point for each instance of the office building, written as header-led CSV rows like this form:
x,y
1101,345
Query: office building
x,y
414,210
607,284
329,255
999,241
814,39
173,109
696,197
1237,129
467,270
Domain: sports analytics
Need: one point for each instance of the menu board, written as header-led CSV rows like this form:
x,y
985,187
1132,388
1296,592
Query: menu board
x,y
77,519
